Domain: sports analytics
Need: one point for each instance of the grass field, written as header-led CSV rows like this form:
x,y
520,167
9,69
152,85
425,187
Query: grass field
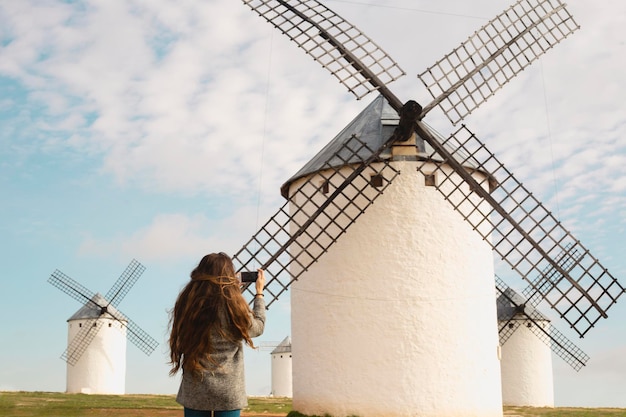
x,y
54,404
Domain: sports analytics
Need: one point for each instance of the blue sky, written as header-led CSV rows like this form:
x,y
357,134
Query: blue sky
x,y
162,131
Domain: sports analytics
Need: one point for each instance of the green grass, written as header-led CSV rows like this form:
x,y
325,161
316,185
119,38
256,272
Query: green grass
x,y
537,412
55,404
564,412
49,404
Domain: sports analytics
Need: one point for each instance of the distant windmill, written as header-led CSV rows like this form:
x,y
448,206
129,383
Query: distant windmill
x,y
282,377
97,333
527,338
397,317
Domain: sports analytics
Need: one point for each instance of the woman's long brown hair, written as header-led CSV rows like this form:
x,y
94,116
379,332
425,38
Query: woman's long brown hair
x,y
211,303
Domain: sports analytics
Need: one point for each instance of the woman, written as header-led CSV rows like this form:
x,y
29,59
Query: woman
x,y
210,322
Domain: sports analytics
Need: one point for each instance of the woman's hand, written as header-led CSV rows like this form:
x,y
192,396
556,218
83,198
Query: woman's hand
x,y
260,282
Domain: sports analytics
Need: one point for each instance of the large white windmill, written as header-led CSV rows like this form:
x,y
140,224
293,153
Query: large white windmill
x,y
394,310
97,334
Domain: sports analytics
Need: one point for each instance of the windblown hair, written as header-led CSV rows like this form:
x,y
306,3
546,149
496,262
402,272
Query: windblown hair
x,y
211,303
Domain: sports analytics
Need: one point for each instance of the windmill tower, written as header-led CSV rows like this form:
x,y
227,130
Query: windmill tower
x,y
282,385
401,290
370,303
97,334
102,366
527,340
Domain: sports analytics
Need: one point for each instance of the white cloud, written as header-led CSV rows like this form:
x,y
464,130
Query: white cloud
x,y
175,236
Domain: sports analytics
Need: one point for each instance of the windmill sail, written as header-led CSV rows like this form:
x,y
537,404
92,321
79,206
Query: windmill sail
x,y
319,211
353,58
470,74
81,341
509,300
525,234
124,283
567,259
71,288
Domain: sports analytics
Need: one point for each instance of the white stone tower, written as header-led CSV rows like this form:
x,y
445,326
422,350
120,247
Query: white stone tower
x,y
282,369
526,363
399,317
101,369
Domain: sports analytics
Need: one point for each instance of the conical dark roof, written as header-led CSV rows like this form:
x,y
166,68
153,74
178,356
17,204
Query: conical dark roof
x,y
93,310
373,126
283,347
507,308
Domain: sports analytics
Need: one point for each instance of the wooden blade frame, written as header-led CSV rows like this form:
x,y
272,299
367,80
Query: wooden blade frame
x,y
550,276
71,288
561,345
470,74
523,232
114,296
124,283
316,215
81,341
353,58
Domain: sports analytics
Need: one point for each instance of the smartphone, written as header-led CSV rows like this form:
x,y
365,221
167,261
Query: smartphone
x,y
249,276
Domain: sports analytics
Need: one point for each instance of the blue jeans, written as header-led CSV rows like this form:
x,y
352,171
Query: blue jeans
x,y
202,413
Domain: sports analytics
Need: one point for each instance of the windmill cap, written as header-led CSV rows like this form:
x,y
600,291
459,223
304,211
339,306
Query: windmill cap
x,y
283,347
373,126
508,303
93,309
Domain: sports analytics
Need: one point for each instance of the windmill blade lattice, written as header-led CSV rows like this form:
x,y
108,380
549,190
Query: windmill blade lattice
x,y
473,72
125,282
316,215
543,283
140,338
354,59
525,234
72,288
81,341
553,338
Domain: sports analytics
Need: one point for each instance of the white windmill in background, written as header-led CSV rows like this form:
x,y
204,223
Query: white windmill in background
x,y
282,375
395,312
527,340
97,333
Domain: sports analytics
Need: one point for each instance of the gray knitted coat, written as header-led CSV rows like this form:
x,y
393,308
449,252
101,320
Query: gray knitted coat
x,y
223,387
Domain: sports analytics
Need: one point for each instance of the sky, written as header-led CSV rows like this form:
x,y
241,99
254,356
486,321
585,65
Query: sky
x,y
161,131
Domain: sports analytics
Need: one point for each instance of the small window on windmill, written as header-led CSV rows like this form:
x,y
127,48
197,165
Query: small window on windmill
x,y
430,180
376,180
80,324
94,324
109,324
325,187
